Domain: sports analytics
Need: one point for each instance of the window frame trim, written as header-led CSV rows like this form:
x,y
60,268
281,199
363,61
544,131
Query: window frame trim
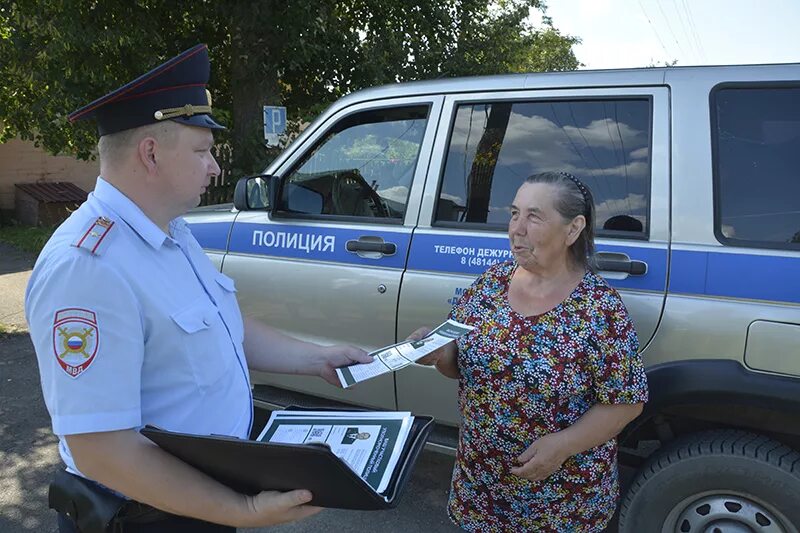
x,y
318,139
716,193
528,98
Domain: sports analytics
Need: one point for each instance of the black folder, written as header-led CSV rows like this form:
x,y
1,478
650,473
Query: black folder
x,y
250,466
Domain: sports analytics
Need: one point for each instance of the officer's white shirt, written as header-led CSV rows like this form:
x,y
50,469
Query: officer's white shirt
x,y
132,327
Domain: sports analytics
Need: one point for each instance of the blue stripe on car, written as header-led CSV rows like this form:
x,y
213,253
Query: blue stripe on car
x,y
460,254
211,235
322,244
749,276
701,273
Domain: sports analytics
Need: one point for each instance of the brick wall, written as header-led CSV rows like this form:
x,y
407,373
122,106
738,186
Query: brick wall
x,y
22,162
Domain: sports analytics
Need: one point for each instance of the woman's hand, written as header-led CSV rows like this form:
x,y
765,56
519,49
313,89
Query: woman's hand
x,y
443,358
432,357
542,458
419,333
599,424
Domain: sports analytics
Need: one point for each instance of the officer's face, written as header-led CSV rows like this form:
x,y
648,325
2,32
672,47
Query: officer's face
x,y
189,167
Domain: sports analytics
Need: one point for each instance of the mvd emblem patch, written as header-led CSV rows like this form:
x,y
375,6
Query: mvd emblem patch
x,y
75,339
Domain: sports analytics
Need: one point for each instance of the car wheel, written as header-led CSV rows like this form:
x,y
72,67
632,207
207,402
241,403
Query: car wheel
x,y
723,481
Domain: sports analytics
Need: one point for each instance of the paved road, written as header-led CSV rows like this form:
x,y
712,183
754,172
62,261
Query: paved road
x,y
15,269
28,452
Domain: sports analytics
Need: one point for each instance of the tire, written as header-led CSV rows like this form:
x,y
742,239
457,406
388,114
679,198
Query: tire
x,y
720,481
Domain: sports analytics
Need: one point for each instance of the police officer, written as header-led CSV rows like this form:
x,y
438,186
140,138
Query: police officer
x,y
133,324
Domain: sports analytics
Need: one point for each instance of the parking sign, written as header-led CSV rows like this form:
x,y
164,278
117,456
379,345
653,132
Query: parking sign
x,y
274,123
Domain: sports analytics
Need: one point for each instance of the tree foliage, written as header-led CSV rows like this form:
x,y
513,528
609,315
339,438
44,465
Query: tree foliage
x,y
57,55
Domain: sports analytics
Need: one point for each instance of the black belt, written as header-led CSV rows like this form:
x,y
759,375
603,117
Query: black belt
x,y
134,512
95,509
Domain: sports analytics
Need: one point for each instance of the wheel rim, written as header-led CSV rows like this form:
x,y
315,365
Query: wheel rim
x,y
724,513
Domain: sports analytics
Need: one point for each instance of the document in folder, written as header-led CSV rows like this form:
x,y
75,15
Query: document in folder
x,y
252,466
370,443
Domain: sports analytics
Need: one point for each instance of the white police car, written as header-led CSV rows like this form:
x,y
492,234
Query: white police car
x,y
390,204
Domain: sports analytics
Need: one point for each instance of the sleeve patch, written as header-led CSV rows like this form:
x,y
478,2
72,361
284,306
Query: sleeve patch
x,y
75,340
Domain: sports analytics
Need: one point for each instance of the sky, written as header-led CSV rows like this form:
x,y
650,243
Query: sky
x,y
640,33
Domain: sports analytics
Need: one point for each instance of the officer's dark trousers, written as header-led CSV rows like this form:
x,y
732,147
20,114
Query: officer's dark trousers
x,y
177,524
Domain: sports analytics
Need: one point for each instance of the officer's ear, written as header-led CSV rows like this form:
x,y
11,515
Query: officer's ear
x,y
146,153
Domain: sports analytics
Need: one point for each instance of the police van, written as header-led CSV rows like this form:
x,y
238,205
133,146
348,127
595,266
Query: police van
x,y
389,205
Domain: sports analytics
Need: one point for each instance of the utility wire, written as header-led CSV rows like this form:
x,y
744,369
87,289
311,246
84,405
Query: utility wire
x,y
696,35
669,28
624,158
575,149
667,55
683,18
569,139
618,153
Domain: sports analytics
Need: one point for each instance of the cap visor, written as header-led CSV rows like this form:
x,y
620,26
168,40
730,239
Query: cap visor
x,y
200,121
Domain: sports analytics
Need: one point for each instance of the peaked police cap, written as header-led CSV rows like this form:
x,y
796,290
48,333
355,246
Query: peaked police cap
x,y
175,90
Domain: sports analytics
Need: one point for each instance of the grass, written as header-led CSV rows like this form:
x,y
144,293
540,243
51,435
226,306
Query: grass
x,y
26,238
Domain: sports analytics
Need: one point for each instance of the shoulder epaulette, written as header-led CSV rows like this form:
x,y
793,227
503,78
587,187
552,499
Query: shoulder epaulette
x,y
92,240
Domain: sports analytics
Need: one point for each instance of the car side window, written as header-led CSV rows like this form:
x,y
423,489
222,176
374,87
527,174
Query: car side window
x,y
495,146
756,135
362,167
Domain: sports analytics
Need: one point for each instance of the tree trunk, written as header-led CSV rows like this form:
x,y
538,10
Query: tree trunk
x,y
482,172
254,84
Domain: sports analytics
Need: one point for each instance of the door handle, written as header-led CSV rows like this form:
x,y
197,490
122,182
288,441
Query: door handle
x,y
615,262
385,248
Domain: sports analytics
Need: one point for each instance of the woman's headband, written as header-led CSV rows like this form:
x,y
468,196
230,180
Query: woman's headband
x,y
581,187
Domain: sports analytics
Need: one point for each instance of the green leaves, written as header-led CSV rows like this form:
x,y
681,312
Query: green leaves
x,y
57,55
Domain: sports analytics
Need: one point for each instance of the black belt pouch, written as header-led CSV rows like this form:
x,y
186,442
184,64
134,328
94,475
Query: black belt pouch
x,y
92,508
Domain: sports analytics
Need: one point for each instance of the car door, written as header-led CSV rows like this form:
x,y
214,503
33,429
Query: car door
x,y
326,265
614,139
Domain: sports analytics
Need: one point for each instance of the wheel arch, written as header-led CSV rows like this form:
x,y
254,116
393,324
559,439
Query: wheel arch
x,y
692,395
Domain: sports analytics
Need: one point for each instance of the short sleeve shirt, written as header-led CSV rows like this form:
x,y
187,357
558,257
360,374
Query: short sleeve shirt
x,y
525,377
137,327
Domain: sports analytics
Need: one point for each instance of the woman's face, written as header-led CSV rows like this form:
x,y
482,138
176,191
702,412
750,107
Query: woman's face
x,y
540,237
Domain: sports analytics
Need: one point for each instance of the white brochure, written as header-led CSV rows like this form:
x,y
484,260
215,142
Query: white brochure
x,y
396,356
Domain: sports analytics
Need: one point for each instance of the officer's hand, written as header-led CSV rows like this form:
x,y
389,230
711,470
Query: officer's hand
x,y
542,458
332,357
269,508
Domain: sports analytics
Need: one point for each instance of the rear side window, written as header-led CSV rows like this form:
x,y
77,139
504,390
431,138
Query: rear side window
x,y
363,167
756,139
495,146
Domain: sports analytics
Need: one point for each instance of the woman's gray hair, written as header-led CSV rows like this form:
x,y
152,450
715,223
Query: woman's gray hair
x,y
572,199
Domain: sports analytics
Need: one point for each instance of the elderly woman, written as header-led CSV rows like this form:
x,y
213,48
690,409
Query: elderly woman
x,y
548,377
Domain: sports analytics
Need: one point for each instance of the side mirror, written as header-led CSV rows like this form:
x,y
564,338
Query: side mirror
x,y
256,192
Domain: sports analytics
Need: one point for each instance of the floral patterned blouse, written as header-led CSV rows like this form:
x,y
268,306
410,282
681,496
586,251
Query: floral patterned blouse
x,y
524,377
